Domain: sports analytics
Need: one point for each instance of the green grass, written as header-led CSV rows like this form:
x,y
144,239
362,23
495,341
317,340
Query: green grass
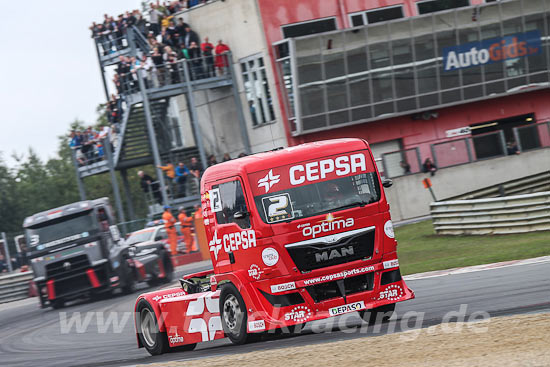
x,y
420,249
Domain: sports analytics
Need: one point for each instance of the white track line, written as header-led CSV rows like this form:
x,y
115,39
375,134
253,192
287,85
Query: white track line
x,y
471,269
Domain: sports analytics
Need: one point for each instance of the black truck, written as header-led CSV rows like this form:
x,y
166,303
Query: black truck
x,y
76,250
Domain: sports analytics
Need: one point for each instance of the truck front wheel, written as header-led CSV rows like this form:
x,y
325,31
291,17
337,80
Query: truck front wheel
x,y
151,338
382,314
58,303
233,314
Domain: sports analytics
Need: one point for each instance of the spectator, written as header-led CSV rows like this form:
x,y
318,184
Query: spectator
x,y
512,148
172,67
180,29
168,52
3,264
22,259
212,160
118,84
135,65
158,61
76,139
154,19
150,186
429,166
191,3
168,40
195,168
76,144
141,23
207,50
113,109
123,70
222,61
171,29
113,138
169,171
226,157
181,178
196,61
148,71
87,147
190,36
242,155
406,167
98,35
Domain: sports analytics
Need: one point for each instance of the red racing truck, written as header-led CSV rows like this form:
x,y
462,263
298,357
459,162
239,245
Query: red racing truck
x,y
295,235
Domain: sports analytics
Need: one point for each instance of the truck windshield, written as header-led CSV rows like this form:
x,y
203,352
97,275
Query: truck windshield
x,y
61,230
319,198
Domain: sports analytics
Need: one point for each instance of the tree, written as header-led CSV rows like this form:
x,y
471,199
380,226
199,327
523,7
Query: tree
x,y
36,185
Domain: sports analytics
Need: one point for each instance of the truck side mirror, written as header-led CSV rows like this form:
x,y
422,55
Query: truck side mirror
x,y
240,215
387,182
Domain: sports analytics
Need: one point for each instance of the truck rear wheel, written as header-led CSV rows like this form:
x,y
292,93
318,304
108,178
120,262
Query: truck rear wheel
x,y
233,314
168,267
130,281
382,314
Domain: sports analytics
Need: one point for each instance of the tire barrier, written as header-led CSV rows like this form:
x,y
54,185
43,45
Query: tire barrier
x,y
503,215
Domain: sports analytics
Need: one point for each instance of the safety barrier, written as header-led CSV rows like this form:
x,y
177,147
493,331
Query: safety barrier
x,y
525,185
503,215
15,286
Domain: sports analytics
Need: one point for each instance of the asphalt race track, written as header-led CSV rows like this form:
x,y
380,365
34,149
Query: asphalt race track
x,y
30,336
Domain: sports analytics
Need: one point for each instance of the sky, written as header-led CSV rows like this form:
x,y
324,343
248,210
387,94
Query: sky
x,y
49,74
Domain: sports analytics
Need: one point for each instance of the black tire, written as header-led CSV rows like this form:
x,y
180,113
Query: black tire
x,y
289,330
297,329
383,313
233,314
130,281
183,348
168,271
168,267
58,303
151,338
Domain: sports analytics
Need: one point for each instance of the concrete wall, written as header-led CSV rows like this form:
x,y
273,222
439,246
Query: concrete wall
x,y
409,199
217,117
238,24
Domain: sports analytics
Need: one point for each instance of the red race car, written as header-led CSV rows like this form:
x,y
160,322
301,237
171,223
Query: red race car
x,y
295,235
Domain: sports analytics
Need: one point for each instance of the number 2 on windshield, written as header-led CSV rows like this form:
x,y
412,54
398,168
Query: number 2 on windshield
x,y
278,208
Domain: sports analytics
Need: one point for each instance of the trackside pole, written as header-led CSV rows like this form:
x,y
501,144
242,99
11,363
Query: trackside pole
x,y
428,185
118,202
7,252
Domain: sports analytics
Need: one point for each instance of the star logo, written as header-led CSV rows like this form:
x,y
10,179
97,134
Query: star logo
x,y
268,181
215,245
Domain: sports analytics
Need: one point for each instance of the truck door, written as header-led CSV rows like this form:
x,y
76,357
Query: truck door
x,y
232,234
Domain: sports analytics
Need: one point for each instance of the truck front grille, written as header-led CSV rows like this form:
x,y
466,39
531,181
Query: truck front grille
x,y
68,267
73,285
357,284
315,255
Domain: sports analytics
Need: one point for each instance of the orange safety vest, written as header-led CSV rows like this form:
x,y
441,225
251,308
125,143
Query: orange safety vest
x,y
198,213
184,220
169,170
169,221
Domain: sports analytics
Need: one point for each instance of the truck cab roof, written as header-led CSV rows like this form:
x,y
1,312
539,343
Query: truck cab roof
x,y
69,209
261,161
